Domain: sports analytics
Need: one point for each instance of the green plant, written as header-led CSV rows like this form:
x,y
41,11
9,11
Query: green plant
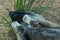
x,y
11,31
28,5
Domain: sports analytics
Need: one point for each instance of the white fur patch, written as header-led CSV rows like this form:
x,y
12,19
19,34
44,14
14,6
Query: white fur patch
x,y
27,19
15,24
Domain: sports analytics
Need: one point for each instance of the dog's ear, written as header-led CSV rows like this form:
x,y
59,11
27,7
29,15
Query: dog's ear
x,y
16,16
11,13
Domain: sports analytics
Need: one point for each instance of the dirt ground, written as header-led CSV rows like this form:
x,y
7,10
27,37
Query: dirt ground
x,y
54,17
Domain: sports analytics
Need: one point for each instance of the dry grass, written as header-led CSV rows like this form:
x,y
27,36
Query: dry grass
x,y
54,17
